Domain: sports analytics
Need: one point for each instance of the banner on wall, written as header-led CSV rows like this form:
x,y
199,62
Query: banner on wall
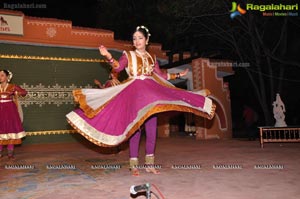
x,y
11,24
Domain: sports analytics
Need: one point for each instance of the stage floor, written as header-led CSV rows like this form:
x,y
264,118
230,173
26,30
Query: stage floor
x,y
230,169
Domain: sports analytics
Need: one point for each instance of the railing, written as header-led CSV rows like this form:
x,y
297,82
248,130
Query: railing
x,y
278,134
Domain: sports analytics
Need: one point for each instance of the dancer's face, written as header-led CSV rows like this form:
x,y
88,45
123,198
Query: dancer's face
x,y
3,77
139,41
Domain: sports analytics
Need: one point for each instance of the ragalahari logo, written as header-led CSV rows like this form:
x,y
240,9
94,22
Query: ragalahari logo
x,y
3,22
4,27
236,10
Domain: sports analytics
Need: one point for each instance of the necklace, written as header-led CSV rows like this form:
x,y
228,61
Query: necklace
x,y
5,87
142,54
146,68
3,90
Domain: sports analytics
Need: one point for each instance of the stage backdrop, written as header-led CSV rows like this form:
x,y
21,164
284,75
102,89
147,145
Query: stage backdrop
x,y
49,74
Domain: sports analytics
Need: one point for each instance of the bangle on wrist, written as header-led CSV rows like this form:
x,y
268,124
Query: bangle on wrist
x,y
111,60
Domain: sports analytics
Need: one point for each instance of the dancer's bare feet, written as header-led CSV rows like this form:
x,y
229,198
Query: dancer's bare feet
x,y
149,163
135,172
133,163
152,170
11,157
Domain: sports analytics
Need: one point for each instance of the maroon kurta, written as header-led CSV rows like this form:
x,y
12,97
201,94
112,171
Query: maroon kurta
x,y
11,130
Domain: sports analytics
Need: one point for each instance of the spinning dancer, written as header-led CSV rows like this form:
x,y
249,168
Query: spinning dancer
x,y
108,117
